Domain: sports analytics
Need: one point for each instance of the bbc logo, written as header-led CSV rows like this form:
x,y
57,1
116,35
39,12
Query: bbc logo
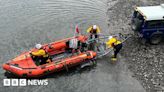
x,y
14,82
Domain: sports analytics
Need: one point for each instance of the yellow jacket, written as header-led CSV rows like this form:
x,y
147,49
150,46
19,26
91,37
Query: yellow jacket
x,y
112,42
40,52
90,29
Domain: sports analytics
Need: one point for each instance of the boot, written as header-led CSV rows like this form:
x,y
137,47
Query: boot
x,y
113,59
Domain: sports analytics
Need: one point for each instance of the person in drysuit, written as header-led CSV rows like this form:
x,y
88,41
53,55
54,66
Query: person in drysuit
x,y
115,44
93,30
40,55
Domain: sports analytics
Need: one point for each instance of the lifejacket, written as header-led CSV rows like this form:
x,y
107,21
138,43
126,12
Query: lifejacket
x,y
90,30
46,53
117,43
40,53
113,42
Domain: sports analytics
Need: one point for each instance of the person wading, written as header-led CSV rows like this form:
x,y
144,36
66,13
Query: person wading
x,y
93,30
93,36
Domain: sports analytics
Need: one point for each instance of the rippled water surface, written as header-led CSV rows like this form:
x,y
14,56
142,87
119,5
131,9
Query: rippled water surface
x,y
23,23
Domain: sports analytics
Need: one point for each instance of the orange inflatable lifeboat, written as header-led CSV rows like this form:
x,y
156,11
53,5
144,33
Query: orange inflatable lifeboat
x,y
24,65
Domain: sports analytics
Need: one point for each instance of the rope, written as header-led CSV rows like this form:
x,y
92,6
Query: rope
x,y
66,67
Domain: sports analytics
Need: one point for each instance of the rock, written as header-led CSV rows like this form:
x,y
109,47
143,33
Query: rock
x,y
143,60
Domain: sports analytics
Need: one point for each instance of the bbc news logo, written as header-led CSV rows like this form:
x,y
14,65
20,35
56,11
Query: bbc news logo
x,y
24,82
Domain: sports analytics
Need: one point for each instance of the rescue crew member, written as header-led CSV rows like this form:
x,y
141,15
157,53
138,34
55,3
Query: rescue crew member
x,y
115,44
93,30
40,55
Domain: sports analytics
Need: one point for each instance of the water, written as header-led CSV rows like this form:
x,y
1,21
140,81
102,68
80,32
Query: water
x,y
23,23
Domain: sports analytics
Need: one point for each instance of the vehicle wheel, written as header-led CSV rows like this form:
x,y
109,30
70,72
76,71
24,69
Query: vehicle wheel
x,y
155,38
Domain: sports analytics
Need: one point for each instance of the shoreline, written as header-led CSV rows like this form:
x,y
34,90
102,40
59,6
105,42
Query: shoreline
x,y
144,61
